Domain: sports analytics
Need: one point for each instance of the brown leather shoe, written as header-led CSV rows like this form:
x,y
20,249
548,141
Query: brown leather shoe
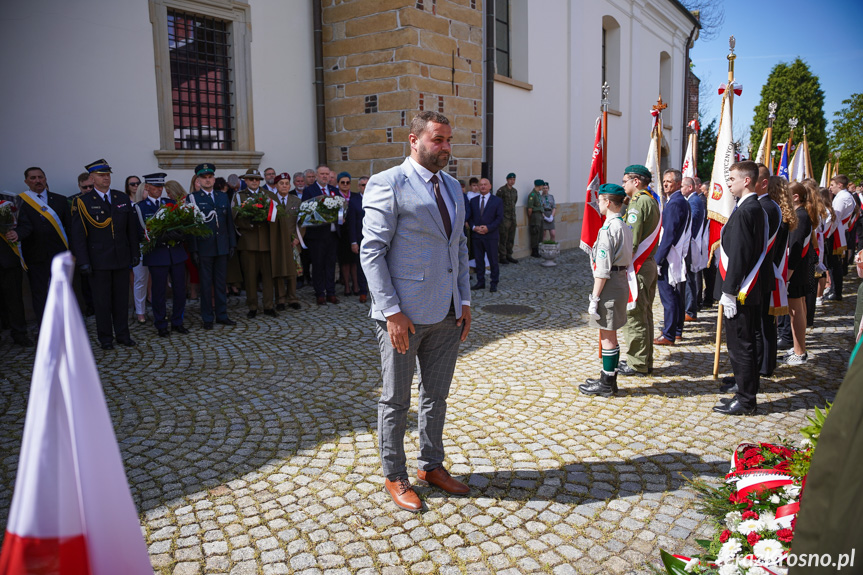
x,y
688,317
321,300
403,495
441,478
662,341
332,299
363,298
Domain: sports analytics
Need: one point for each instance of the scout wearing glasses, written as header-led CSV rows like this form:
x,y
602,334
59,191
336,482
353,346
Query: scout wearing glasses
x,y
103,234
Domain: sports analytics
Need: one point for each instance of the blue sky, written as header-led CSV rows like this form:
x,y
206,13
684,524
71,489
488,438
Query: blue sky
x,y
826,34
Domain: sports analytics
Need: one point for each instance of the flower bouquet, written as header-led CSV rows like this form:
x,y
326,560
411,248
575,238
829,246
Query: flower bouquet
x,y
322,210
8,217
754,510
172,222
259,208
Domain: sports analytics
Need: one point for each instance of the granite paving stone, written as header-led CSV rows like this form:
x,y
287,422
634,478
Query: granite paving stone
x,y
252,449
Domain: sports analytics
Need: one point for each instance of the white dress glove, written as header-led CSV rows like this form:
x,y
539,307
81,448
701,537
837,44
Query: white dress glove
x,y
549,219
593,308
729,304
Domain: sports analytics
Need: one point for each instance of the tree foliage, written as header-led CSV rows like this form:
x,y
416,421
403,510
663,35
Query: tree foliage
x,y
710,14
846,137
798,93
706,150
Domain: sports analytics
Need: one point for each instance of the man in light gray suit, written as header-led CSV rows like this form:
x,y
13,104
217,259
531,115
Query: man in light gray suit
x,y
414,255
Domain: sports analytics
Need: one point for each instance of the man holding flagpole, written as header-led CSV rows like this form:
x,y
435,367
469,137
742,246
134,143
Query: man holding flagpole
x,y
644,218
738,286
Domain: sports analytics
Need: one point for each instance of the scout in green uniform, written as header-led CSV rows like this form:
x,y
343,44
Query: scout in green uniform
x,y
612,253
253,243
534,216
643,218
507,228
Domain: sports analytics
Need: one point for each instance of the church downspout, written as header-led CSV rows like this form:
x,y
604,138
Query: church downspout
x,y
320,112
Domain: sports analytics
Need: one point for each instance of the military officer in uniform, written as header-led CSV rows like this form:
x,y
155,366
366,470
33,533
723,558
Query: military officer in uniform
x,y
283,239
104,239
534,216
163,260
211,254
643,218
253,244
12,278
509,195
43,221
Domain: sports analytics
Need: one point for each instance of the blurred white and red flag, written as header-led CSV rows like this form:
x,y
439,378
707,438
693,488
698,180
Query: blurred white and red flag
x,y
592,218
72,512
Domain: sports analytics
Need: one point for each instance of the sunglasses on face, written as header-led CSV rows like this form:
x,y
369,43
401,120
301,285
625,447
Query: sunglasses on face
x,y
90,187
133,184
345,182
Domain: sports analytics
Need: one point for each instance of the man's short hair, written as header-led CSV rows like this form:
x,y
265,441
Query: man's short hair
x,y
678,175
268,169
299,175
322,166
748,168
473,181
309,171
763,171
643,179
841,179
366,178
30,169
83,177
687,181
421,120
696,181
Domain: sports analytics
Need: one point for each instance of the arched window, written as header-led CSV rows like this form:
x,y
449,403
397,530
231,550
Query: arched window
x,y
665,78
611,59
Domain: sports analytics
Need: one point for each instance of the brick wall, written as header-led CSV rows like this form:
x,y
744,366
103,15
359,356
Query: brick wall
x,y
385,60
692,86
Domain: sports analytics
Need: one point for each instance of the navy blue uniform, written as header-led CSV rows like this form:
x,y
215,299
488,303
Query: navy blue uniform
x,y
214,251
486,244
323,244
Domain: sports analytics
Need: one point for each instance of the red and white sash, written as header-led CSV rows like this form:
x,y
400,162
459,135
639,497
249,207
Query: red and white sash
x,y
752,276
645,248
779,297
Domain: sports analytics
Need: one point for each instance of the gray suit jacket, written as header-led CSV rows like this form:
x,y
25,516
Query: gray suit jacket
x,y
405,253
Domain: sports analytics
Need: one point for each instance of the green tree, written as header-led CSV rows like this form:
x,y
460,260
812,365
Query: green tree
x,y
798,93
706,151
846,137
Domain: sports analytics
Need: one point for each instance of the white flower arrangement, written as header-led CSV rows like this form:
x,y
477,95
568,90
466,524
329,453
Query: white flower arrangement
x,y
792,491
748,526
729,551
733,519
729,569
769,551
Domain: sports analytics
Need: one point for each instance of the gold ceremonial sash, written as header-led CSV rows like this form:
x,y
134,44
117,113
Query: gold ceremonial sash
x,y
57,227
82,209
16,249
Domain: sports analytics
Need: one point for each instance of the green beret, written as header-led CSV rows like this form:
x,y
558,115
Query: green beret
x,y
612,190
538,182
638,170
510,175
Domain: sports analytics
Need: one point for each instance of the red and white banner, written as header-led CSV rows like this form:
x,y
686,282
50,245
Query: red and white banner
x,y
689,169
71,512
642,252
762,156
272,211
592,218
720,201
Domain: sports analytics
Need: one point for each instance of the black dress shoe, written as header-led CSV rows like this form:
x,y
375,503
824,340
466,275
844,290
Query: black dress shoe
x,y
726,400
164,332
252,313
729,384
511,260
107,346
271,312
280,307
624,369
294,305
492,289
129,342
477,287
180,328
226,321
735,408
208,325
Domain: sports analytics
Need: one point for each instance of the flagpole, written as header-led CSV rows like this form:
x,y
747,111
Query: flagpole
x,y
792,123
730,94
806,157
604,106
771,117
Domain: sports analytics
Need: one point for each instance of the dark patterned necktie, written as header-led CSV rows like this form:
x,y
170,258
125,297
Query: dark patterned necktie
x,y
441,206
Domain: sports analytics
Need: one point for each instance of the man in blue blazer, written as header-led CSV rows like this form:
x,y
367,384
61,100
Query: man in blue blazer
x,y
670,257
323,241
211,254
698,210
485,219
164,260
414,255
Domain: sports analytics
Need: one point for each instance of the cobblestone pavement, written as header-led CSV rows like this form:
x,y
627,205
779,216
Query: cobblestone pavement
x,y
253,449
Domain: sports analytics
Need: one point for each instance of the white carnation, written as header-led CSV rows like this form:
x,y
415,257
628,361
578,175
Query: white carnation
x,y
769,551
748,526
728,552
792,490
768,519
729,569
733,519
774,499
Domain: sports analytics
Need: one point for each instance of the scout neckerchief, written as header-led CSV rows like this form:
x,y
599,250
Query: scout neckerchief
x,y
642,252
14,246
45,210
605,227
85,215
749,280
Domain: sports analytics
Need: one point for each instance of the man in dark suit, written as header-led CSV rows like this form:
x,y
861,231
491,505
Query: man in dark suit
x,y
671,258
354,226
323,241
766,343
12,277
486,216
211,254
698,210
103,236
738,288
42,227
163,260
